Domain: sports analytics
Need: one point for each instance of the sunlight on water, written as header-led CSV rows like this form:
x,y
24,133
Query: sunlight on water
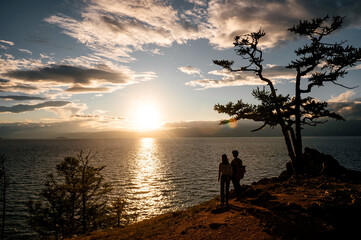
x,y
148,183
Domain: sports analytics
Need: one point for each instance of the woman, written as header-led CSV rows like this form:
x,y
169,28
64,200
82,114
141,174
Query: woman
x,y
224,174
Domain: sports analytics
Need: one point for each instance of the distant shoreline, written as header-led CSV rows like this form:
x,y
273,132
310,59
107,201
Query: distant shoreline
x,y
99,138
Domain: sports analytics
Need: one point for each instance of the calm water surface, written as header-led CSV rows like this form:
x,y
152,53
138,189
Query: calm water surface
x,y
154,175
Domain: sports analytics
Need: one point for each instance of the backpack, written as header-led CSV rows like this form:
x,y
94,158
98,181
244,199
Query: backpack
x,y
240,172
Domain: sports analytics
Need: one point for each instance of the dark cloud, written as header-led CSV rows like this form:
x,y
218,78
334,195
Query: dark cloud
x,y
25,108
18,88
233,17
21,98
350,110
80,89
2,80
68,74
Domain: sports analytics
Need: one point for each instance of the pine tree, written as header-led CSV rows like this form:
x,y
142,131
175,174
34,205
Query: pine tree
x,y
74,200
317,63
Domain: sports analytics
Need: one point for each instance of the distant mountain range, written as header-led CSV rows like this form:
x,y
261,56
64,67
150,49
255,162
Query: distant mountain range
x,y
332,128
196,129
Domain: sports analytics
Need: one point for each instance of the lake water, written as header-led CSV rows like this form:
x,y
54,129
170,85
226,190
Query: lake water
x,y
153,175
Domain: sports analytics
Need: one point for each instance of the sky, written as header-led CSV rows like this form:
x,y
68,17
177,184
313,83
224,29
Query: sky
x,y
106,65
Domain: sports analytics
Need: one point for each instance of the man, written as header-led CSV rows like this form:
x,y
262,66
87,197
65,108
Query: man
x,y
237,174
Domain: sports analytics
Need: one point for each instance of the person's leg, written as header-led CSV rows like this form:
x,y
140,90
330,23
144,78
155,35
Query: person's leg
x,y
227,190
234,182
222,190
237,188
238,191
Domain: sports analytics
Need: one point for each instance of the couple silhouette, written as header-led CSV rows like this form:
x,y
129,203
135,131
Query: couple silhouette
x,y
230,171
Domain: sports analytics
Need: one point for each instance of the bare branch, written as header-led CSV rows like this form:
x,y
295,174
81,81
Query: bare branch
x,y
341,85
257,129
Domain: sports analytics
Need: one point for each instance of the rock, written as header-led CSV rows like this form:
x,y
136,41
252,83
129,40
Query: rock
x,y
294,206
316,164
263,197
251,192
216,226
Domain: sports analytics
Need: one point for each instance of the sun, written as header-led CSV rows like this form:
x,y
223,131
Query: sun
x,y
147,118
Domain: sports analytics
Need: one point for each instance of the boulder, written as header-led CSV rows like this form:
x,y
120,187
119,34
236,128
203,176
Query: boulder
x,y
317,163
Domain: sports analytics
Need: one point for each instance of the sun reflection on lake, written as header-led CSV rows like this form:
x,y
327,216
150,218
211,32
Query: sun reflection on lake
x,y
148,185
147,161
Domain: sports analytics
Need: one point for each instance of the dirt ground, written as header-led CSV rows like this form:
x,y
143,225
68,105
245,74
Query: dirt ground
x,y
295,208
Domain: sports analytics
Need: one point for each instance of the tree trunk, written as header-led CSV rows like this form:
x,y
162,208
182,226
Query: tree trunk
x,y
284,128
298,165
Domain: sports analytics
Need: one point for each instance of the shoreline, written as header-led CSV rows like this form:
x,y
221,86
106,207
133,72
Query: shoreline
x,y
272,208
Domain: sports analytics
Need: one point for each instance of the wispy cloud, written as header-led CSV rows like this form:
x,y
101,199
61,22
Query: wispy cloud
x,y
25,51
7,42
16,87
69,109
25,108
21,98
275,73
190,70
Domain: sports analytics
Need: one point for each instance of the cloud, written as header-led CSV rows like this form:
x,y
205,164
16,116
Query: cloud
x,y
69,109
229,79
80,89
357,67
68,74
95,116
190,70
86,116
21,98
25,108
7,42
278,72
114,29
232,17
19,88
79,79
2,80
343,97
274,73
198,2
25,51
347,105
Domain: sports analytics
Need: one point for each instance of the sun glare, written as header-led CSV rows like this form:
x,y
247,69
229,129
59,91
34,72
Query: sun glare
x,y
147,118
